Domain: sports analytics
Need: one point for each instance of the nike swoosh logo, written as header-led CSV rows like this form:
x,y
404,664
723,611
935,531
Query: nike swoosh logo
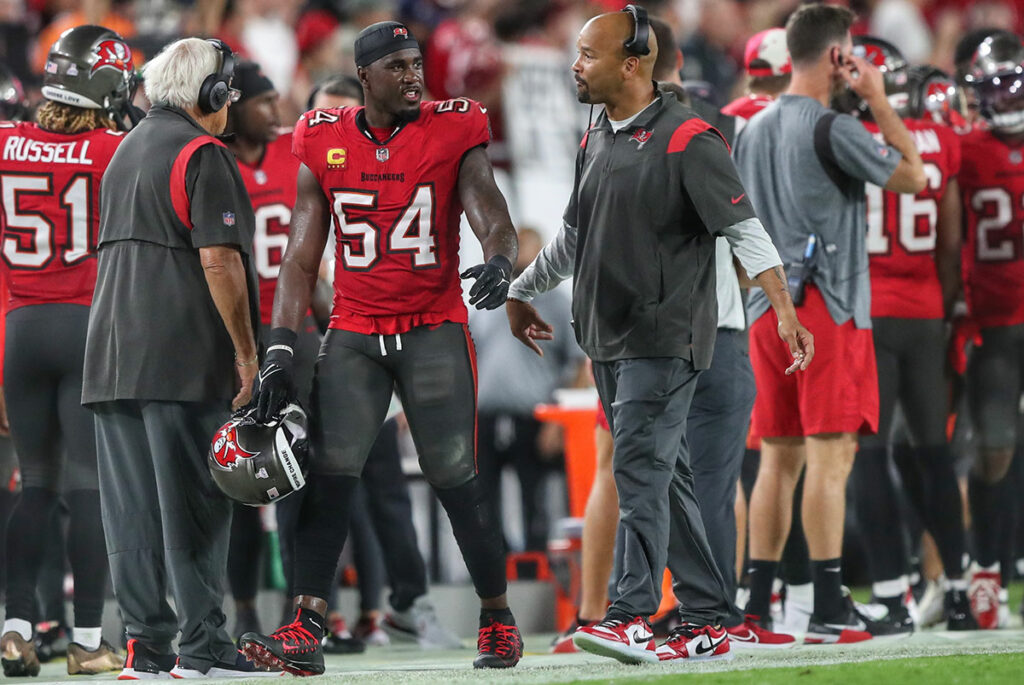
x,y
701,649
737,199
750,637
841,626
268,372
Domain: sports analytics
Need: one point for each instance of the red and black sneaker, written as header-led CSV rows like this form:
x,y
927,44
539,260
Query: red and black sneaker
x,y
691,642
498,645
629,640
756,633
293,647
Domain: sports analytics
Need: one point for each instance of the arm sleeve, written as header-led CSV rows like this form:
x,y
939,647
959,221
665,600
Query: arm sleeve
x,y
859,154
711,181
752,246
218,201
553,265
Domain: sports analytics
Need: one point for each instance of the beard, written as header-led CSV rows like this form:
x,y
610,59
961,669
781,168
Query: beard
x,y
406,116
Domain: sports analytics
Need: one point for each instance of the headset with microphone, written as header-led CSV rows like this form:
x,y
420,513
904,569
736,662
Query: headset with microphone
x,y
216,90
637,44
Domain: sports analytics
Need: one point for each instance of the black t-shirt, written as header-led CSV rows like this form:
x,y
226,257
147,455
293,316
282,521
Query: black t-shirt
x,y
154,331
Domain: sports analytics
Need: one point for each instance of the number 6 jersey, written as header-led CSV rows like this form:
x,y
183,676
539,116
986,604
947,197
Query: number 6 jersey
x,y
992,183
396,210
49,197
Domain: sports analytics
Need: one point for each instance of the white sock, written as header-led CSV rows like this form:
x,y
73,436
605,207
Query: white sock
x,y
888,589
956,584
800,594
88,637
19,626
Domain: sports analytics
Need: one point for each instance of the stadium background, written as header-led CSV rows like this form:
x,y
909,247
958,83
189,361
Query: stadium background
x,y
513,57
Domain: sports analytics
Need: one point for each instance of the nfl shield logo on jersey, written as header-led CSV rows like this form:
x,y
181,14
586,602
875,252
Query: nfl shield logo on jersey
x,y
382,154
229,218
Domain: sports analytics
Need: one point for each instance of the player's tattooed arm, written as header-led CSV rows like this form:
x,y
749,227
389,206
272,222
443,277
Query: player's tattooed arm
x,y
486,208
311,220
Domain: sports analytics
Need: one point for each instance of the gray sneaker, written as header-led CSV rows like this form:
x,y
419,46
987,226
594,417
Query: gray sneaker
x,y
419,624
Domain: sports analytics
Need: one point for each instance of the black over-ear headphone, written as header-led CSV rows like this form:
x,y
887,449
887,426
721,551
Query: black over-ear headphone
x,y
637,45
216,89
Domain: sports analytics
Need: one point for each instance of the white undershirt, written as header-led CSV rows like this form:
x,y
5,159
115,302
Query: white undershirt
x,y
619,125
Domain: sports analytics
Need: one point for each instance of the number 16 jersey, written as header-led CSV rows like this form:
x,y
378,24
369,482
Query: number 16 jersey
x,y
396,211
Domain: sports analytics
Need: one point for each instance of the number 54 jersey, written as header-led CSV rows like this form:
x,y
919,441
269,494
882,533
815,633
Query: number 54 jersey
x,y
992,183
49,211
394,199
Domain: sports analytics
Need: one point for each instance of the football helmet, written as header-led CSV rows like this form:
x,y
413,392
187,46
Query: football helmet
x,y
996,74
91,67
258,463
935,96
13,106
893,65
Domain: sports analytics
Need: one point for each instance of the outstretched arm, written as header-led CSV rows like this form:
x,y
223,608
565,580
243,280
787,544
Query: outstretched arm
x,y
487,213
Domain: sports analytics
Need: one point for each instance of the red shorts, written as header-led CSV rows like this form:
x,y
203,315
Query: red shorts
x,y
602,420
838,393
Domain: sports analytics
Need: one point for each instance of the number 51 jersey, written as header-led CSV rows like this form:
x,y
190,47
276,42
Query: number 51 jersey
x,y
396,211
49,211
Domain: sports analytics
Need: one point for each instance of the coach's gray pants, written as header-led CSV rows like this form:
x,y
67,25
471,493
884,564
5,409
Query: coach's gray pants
x,y
716,431
166,524
647,402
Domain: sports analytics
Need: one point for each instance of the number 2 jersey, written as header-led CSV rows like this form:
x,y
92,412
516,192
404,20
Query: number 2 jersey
x,y
396,212
50,197
992,184
902,230
271,187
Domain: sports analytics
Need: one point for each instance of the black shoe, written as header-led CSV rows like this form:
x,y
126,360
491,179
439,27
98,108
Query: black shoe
x,y
958,611
498,645
51,640
292,647
340,644
851,626
896,622
142,663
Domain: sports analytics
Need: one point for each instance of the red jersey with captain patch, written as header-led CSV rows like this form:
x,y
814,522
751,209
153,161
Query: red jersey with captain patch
x,y
992,183
50,202
902,229
271,187
396,212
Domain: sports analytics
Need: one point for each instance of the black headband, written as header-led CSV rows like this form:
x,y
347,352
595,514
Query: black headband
x,y
381,39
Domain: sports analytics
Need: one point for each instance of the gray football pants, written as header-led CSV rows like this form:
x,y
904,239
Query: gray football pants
x,y
167,524
647,402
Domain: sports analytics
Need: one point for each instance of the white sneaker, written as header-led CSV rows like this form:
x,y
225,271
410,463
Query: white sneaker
x,y
1004,608
419,624
931,608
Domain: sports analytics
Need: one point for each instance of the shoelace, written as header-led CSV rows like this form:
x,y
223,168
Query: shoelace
x,y
295,633
499,639
684,630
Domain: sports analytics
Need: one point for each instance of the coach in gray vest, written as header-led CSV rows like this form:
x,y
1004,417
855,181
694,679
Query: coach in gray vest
x,y
172,327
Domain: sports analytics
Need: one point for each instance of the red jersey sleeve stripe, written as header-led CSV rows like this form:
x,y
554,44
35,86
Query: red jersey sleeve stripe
x,y
179,194
687,130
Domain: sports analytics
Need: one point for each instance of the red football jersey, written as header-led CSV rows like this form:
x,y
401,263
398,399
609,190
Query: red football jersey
x,y
992,183
396,212
50,198
747,106
271,186
902,230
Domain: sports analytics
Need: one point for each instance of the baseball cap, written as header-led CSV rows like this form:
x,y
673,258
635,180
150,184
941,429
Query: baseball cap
x,y
767,55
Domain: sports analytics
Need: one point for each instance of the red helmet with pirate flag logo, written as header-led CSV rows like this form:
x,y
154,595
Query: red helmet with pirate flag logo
x,y
258,463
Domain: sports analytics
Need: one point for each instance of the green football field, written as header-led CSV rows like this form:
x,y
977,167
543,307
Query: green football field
x,y
926,657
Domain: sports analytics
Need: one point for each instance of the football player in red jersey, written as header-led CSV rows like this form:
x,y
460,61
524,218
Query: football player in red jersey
x,y
50,175
767,62
913,245
992,183
396,176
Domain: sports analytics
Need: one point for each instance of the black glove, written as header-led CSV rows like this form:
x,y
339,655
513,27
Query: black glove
x,y
492,280
275,386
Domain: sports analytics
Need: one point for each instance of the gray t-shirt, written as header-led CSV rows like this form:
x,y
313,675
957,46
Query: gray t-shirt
x,y
796,194
511,378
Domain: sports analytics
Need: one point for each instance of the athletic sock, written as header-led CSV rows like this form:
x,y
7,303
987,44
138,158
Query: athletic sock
x,y
988,510
320,533
87,637
828,593
19,626
761,575
311,621
487,616
890,593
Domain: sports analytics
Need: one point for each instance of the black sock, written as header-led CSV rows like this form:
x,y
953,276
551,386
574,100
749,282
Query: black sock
x,y
828,595
943,508
87,552
487,616
311,621
320,533
988,511
478,531
25,550
761,574
891,603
